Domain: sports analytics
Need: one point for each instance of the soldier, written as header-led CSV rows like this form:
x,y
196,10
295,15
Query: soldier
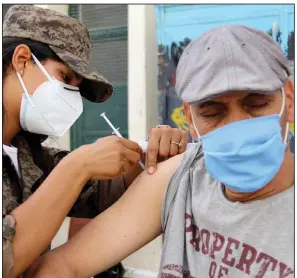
x,y
45,74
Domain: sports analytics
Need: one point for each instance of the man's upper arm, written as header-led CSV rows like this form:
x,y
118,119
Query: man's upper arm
x,y
125,227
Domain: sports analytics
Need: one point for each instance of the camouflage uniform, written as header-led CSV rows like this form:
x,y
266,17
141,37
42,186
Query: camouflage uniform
x,y
95,197
69,39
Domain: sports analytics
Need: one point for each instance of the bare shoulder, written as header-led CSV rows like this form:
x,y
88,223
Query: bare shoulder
x,y
164,171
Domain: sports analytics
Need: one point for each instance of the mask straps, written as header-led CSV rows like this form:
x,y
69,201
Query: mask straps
x,y
52,78
41,67
24,88
287,133
23,84
281,112
283,102
194,122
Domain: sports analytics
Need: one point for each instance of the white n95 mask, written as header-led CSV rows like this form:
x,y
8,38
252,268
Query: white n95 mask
x,y
52,109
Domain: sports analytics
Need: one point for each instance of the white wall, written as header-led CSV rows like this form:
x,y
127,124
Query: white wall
x,y
143,102
142,71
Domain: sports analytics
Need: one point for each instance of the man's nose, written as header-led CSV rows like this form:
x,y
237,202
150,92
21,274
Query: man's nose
x,y
237,113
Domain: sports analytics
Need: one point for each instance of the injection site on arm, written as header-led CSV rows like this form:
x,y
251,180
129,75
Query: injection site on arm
x,y
141,143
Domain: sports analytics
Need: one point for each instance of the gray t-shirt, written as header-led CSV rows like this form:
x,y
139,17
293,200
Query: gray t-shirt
x,y
205,235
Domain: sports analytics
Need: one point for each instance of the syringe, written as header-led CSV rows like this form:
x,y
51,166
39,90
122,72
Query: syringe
x,y
116,132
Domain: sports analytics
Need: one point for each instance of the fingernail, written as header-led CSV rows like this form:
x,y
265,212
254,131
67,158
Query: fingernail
x,y
151,170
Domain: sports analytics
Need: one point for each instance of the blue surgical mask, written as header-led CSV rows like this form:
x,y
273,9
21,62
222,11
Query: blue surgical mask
x,y
247,154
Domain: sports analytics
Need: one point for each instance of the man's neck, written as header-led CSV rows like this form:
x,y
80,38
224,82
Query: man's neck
x,y
282,181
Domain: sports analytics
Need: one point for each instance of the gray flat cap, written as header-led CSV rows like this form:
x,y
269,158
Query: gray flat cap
x,y
230,58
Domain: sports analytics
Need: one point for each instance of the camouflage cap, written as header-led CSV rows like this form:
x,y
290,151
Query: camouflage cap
x,y
67,37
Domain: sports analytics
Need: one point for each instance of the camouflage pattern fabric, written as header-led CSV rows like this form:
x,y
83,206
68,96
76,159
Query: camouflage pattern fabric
x,y
8,231
67,37
17,190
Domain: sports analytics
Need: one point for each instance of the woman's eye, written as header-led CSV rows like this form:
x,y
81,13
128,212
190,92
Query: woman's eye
x,y
65,78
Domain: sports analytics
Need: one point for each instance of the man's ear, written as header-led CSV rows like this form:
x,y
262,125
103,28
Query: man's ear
x,y
190,121
290,106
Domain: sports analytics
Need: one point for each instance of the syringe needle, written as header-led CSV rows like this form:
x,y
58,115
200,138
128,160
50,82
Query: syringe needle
x,y
116,132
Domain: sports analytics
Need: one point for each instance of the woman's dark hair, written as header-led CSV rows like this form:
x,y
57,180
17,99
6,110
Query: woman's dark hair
x,y
42,52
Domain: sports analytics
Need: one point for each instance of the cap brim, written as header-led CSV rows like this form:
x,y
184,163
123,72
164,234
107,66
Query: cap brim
x,y
228,92
94,87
